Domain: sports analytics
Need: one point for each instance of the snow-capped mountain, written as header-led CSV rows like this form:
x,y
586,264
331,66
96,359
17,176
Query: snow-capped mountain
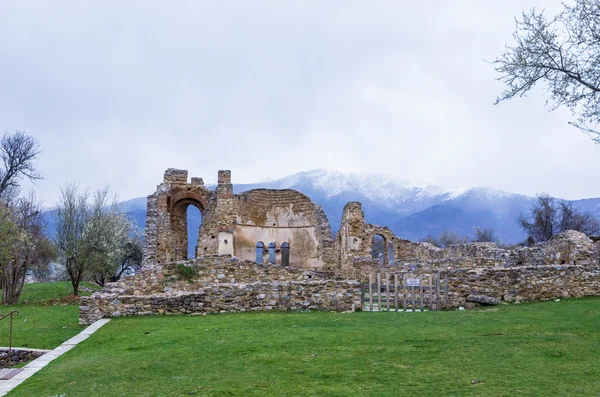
x,y
411,210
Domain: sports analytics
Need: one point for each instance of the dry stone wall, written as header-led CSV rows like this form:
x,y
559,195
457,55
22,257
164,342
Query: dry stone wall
x,y
327,295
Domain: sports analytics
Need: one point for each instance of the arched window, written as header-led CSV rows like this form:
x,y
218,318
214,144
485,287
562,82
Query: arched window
x,y
285,254
193,222
272,247
260,247
378,248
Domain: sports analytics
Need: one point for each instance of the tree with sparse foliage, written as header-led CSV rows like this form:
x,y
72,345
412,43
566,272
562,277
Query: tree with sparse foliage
x,y
485,235
94,239
24,245
70,217
563,53
111,244
446,239
549,216
19,153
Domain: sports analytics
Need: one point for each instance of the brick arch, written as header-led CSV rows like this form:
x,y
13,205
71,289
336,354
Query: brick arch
x,y
186,198
388,241
179,204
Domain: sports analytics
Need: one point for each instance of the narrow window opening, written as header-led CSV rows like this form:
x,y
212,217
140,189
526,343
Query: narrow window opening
x,y
194,220
260,247
285,254
272,247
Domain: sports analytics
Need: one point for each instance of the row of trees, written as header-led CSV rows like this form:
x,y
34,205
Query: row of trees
x,y
94,239
547,217
449,237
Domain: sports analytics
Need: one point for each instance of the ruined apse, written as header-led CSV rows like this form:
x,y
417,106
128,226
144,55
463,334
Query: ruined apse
x,y
261,225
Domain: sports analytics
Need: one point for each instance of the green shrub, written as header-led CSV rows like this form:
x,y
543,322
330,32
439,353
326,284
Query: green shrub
x,y
186,272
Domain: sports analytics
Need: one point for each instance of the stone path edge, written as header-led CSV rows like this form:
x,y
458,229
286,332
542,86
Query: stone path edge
x,y
39,363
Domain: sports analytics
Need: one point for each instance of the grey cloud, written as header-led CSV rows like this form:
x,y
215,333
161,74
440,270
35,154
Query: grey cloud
x,y
119,91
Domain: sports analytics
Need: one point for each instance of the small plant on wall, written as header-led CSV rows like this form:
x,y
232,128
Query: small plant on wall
x,y
186,272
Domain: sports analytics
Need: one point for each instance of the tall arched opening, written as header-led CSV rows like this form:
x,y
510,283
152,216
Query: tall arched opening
x,y
186,219
379,249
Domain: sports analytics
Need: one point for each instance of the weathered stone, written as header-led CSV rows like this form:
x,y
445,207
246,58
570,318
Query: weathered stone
x,y
483,299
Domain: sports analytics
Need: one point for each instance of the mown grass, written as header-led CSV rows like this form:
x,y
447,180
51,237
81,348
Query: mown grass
x,y
539,349
44,292
44,321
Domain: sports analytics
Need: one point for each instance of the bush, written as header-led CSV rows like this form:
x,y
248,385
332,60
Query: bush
x,y
186,272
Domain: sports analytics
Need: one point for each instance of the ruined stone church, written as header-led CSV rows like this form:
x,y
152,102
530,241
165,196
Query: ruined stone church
x,y
274,250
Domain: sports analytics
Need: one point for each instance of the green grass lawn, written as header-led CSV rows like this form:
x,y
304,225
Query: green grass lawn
x,y
43,322
43,292
539,349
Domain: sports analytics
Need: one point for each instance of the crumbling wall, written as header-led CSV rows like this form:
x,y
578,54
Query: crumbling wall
x,y
207,270
327,295
233,225
277,216
166,236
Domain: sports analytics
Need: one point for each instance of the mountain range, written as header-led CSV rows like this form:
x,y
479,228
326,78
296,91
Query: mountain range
x,y
412,211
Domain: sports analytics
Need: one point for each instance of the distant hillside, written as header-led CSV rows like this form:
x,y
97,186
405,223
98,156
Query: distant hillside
x,y
412,211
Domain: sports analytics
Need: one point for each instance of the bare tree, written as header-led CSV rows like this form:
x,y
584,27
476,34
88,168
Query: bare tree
x,y
446,239
485,235
549,216
19,153
562,52
71,216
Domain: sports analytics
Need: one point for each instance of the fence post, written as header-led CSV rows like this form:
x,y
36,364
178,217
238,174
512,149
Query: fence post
x,y
396,292
421,292
370,291
379,290
445,289
387,291
437,295
430,294
403,292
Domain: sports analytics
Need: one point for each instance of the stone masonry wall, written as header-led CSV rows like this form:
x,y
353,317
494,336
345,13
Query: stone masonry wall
x,y
327,295
18,356
210,269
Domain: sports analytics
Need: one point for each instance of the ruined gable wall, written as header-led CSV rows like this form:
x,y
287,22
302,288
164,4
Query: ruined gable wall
x,y
282,216
166,219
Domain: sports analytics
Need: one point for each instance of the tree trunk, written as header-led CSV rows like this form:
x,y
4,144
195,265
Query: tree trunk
x,y
75,284
12,284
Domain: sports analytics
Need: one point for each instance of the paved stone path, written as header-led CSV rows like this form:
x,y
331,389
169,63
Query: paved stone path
x,y
41,362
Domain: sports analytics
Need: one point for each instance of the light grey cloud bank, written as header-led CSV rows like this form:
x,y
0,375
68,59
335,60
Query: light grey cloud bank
x,y
117,91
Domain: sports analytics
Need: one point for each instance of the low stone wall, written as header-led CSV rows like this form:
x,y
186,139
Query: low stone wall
x,y
526,283
210,269
18,356
326,295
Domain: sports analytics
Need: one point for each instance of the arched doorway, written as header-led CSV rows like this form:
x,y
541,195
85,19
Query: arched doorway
x,y
186,219
379,249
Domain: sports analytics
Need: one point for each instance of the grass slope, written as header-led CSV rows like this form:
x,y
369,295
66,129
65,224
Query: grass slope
x,y
43,322
537,349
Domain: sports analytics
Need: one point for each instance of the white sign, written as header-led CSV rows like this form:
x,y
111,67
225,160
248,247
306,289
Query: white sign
x,y
413,282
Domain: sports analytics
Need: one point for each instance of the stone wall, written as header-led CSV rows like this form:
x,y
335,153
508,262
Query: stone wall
x,y
209,270
234,224
18,356
327,295
523,283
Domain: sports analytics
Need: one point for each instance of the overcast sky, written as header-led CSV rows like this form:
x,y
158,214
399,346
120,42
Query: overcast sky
x,y
118,91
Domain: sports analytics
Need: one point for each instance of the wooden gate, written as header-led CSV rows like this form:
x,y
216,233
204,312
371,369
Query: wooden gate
x,y
400,292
